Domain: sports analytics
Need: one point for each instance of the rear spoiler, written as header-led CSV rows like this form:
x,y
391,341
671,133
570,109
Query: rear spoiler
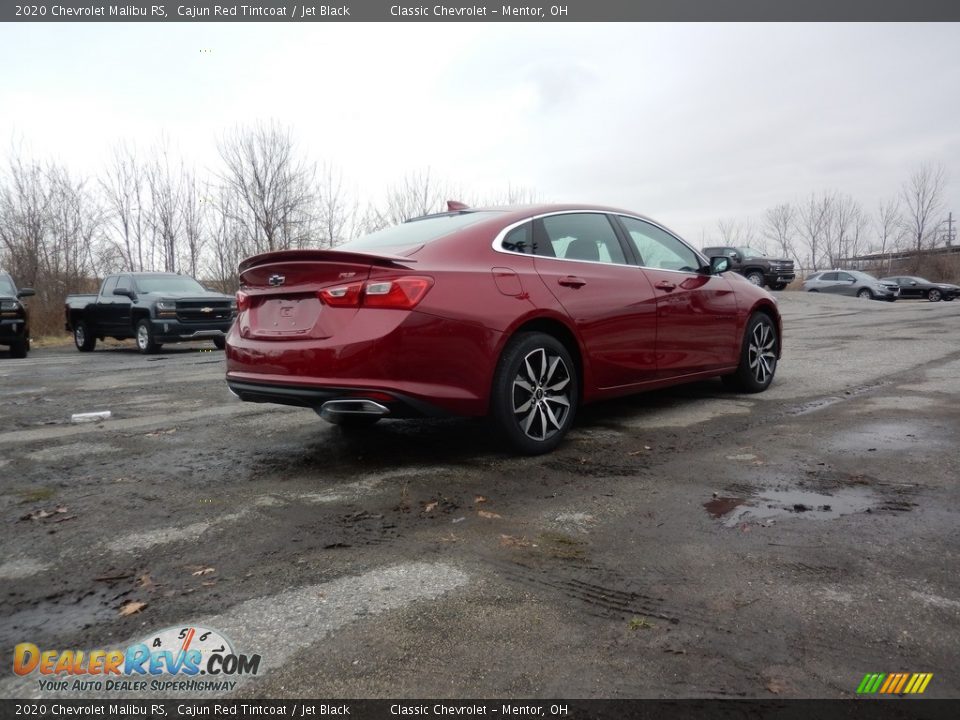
x,y
324,256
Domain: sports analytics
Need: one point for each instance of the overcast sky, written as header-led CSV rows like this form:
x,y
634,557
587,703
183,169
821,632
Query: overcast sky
x,y
687,123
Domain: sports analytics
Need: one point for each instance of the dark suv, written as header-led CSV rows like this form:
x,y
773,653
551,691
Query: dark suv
x,y
14,317
776,273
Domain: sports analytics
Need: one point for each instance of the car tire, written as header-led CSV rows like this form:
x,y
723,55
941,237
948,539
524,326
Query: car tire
x,y
220,342
948,298
755,277
535,393
758,356
934,295
19,348
144,338
865,294
83,338
778,286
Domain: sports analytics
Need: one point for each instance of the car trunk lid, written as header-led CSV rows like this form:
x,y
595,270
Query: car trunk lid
x,y
282,291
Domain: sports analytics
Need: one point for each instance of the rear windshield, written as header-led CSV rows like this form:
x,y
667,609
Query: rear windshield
x,y
416,232
167,283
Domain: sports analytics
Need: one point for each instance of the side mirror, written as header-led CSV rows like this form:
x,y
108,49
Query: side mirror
x,y
125,292
26,292
719,264
913,282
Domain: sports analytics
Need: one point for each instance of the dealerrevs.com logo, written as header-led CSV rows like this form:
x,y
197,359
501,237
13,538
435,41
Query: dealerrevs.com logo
x,y
177,659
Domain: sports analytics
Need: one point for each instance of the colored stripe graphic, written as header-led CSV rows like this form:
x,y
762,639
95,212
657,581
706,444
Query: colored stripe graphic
x,y
894,683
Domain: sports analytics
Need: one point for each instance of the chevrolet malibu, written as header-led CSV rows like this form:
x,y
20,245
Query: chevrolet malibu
x,y
521,314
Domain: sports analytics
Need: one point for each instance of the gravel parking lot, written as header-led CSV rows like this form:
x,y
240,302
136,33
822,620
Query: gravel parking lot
x,y
689,542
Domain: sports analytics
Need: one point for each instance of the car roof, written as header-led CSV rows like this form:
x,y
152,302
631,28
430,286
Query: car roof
x,y
509,214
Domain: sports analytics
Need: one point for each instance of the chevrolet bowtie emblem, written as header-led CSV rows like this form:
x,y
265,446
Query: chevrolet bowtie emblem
x,y
206,309
277,280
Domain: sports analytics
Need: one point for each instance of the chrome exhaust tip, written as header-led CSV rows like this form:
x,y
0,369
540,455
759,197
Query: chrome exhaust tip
x,y
334,409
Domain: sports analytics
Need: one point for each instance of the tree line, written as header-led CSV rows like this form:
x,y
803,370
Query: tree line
x,y
148,209
830,228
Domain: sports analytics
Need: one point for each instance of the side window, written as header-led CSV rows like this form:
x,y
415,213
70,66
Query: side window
x,y
828,276
845,277
658,248
582,236
520,239
108,286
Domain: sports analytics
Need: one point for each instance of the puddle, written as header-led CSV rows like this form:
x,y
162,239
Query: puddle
x,y
50,620
773,504
889,436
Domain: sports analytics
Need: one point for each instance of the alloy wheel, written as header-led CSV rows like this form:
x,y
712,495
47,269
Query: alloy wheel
x,y
761,352
143,337
541,394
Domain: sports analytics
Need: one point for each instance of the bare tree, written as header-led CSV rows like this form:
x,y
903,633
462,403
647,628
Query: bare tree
x,y
843,229
779,227
922,198
736,233
337,214
123,185
813,222
417,194
165,180
273,188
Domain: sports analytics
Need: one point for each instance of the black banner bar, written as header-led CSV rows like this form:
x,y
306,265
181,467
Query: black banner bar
x,y
859,709
480,11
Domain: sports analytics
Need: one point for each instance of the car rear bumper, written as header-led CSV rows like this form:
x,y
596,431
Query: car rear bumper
x,y
396,404
168,331
414,363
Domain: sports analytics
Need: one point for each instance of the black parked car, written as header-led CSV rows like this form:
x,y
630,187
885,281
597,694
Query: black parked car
x,y
14,317
916,287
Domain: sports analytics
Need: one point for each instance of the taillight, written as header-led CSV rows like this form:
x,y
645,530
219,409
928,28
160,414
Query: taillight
x,y
399,293
403,293
342,295
243,301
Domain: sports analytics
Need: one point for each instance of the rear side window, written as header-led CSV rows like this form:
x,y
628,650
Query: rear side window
x,y
519,240
582,236
828,276
416,232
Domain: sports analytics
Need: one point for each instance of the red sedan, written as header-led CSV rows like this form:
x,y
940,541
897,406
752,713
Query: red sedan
x,y
521,314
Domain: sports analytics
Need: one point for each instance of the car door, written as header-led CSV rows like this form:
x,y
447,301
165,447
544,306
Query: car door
x,y
696,313
103,309
121,313
582,261
910,287
846,284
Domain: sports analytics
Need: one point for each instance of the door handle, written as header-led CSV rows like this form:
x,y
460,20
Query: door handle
x,y
572,281
665,285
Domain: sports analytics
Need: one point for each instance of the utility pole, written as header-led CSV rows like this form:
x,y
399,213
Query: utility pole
x,y
951,234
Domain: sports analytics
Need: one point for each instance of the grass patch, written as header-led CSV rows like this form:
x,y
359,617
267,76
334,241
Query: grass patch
x,y
639,623
35,495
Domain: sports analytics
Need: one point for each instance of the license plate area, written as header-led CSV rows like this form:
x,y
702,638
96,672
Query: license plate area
x,y
286,316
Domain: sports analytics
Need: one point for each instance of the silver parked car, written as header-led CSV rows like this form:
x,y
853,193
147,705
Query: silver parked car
x,y
851,282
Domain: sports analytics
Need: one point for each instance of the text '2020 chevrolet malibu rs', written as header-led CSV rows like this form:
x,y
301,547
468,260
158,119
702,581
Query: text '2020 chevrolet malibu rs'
x,y
519,314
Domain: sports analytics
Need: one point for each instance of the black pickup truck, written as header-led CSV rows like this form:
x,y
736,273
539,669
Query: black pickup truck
x,y
153,308
776,273
14,317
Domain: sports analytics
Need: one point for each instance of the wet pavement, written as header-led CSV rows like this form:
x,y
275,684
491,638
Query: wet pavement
x,y
688,542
